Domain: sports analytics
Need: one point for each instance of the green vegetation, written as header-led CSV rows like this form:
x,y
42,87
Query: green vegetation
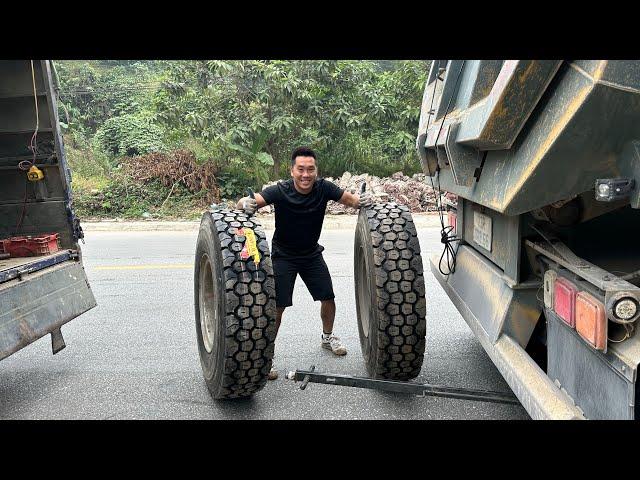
x,y
129,134
168,137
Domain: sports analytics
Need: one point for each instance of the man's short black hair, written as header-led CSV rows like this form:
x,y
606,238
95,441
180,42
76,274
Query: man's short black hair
x,y
302,152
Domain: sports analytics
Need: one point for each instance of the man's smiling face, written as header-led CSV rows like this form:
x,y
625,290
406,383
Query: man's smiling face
x,y
304,173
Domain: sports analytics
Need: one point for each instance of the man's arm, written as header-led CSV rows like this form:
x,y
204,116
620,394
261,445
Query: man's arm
x,y
356,201
250,205
350,200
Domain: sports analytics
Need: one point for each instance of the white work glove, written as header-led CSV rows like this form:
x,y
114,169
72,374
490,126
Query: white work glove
x,y
366,200
249,205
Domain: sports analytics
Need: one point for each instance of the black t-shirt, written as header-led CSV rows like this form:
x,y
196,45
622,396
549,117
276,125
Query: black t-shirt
x,y
299,216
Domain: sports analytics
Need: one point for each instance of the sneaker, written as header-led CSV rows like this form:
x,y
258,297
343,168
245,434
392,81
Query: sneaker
x,y
333,343
273,374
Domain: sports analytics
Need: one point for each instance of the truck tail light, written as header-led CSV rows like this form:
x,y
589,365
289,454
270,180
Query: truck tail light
x,y
624,310
549,284
591,321
564,300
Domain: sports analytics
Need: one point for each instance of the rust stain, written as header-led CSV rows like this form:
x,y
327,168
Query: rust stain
x,y
441,129
505,74
27,335
529,71
608,163
496,107
531,312
523,318
505,109
597,75
554,133
494,202
499,111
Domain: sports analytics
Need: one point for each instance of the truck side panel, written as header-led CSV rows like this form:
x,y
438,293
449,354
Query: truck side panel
x,y
40,303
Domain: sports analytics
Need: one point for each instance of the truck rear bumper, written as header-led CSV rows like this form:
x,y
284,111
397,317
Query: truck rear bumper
x,y
39,303
538,394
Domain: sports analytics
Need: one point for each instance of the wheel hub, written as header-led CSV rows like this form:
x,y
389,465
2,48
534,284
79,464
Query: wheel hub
x,y
364,292
208,310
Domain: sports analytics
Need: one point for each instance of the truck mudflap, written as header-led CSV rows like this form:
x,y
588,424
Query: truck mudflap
x,y
39,301
540,397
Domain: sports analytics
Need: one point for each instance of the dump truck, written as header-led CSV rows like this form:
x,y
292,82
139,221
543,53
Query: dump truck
x,y
43,284
542,258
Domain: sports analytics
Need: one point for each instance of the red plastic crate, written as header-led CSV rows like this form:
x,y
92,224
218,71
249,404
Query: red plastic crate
x,y
31,246
564,301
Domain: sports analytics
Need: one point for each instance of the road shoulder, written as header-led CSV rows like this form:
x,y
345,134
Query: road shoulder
x,y
331,222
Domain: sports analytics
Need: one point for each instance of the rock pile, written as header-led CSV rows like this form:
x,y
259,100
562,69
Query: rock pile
x,y
414,192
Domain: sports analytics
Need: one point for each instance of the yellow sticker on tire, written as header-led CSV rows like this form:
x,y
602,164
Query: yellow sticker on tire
x,y
250,248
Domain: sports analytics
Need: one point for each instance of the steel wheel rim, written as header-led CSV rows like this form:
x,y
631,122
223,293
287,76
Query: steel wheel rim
x,y
364,293
208,310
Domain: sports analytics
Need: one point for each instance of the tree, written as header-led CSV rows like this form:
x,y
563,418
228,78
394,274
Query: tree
x,y
247,116
128,135
259,110
93,91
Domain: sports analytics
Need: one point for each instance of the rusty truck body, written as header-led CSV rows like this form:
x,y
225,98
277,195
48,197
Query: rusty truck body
x,y
544,157
38,294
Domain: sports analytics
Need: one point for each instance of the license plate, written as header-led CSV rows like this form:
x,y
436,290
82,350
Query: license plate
x,y
482,230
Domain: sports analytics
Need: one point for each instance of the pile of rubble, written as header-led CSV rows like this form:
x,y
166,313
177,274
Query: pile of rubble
x,y
415,192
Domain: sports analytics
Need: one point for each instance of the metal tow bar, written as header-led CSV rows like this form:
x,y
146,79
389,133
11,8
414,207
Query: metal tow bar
x,y
419,389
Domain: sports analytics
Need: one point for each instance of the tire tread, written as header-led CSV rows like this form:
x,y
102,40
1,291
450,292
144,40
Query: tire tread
x,y
400,292
249,307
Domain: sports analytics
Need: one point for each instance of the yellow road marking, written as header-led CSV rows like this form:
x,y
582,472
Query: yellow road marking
x,y
144,267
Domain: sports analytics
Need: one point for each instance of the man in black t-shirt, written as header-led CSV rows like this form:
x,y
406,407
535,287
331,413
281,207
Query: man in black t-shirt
x,y
300,205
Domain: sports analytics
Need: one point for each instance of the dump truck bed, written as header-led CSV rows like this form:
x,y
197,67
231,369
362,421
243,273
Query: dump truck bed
x,y
516,135
38,294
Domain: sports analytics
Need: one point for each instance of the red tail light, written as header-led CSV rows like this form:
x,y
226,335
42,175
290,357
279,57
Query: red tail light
x,y
564,300
591,322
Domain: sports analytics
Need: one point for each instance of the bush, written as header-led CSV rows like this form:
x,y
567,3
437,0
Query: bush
x,y
233,183
83,161
171,170
128,135
127,198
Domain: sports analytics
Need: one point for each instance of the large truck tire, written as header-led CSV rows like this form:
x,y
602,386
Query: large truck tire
x,y
234,306
389,285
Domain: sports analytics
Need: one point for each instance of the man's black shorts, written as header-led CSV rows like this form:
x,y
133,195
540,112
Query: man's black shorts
x,y
313,271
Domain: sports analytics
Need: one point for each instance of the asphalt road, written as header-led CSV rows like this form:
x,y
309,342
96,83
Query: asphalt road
x,y
135,355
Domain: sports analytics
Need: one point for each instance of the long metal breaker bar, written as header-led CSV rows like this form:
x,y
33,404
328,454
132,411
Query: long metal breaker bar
x,y
306,376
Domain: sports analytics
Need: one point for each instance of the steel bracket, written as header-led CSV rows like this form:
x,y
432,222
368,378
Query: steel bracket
x,y
464,161
57,341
